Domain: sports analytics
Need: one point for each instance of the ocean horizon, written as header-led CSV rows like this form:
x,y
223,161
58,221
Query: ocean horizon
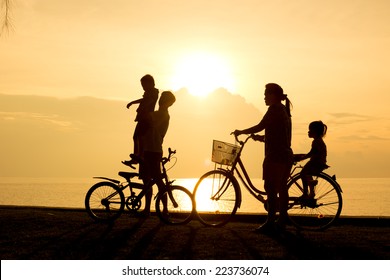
x,y
368,197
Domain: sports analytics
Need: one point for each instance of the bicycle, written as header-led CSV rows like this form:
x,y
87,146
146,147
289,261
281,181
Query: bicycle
x,y
220,194
105,201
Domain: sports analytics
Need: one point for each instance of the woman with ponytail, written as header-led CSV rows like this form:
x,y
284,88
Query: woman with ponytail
x,y
278,155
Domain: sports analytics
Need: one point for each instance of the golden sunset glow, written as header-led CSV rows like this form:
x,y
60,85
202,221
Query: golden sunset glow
x,y
331,58
109,108
202,73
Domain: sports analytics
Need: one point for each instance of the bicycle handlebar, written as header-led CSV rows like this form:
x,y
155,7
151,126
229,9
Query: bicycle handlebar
x,y
171,152
253,136
260,138
168,158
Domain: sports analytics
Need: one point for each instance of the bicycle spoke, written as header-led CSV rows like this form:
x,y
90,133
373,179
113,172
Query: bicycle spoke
x,y
104,201
319,212
216,196
175,206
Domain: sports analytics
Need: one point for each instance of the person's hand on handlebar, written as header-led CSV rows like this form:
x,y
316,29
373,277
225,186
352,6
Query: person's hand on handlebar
x,y
257,137
236,132
299,157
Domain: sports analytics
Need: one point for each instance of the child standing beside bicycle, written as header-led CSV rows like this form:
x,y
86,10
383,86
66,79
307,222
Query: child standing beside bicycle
x,y
317,155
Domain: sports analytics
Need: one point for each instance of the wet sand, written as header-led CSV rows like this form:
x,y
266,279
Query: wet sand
x,y
70,234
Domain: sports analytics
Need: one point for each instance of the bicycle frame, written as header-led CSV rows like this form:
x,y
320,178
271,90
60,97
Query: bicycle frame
x,y
313,211
174,204
238,167
144,187
245,179
294,174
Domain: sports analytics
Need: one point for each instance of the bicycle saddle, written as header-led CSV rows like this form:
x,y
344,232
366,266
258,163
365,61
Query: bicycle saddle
x,y
128,175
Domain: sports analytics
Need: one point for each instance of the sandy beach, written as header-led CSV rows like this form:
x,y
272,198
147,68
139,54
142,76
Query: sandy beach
x,y
33,233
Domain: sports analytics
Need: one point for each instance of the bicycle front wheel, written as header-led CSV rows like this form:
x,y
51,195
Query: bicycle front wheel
x,y
104,201
217,196
315,213
175,206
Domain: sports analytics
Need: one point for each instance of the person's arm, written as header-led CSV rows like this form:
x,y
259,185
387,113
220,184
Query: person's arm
x,y
257,137
254,129
251,130
134,102
299,157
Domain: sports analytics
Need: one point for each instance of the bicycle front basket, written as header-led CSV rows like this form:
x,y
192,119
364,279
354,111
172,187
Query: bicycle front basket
x,y
224,153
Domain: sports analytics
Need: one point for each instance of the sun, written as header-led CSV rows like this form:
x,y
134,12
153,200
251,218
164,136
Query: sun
x,y
202,73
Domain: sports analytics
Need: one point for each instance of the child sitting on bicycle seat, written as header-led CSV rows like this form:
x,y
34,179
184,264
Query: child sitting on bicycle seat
x,y
317,155
146,106
152,146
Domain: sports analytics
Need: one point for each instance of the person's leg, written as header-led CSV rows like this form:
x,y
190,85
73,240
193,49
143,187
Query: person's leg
x,y
269,226
136,148
275,183
145,173
161,188
272,199
136,139
312,184
283,194
148,200
157,176
305,178
268,177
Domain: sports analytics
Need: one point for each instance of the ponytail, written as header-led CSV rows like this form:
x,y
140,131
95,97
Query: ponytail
x,y
319,128
325,130
288,104
276,89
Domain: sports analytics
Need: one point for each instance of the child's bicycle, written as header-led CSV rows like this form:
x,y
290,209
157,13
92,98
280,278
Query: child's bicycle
x,y
105,201
218,193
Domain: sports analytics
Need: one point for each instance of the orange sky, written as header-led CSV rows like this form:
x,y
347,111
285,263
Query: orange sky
x,y
331,57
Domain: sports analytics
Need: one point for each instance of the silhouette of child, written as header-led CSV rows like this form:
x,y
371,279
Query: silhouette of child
x,y
317,155
153,146
146,105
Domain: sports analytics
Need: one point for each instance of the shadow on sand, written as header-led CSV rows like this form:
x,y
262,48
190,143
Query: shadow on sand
x,y
43,233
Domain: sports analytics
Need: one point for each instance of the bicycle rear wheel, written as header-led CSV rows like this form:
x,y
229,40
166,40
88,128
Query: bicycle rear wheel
x,y
104,201
217,196
316,213
180,206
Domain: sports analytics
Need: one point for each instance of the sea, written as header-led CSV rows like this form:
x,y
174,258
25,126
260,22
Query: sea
x,y
368,197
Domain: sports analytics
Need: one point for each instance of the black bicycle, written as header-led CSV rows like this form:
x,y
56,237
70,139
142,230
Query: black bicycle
x,y
218,193
106,200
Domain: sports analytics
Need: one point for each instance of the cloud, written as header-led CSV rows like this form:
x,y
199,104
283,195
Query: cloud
x,y
86,137
349,118
361,128
364,138
38,119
